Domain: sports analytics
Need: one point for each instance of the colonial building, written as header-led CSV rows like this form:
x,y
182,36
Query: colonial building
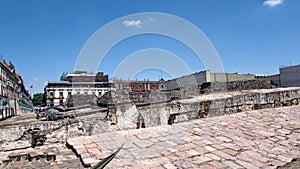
x,y
12,93
79,82
139,85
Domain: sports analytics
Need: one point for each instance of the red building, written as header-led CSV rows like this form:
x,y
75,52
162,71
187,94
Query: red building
x,y
139,85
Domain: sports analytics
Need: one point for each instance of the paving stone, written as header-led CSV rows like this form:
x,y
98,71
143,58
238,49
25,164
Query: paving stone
x,y
192,153
255,139
201,159
143,143
252,161
265,133
255,155
223,139
157,167
231,146
209,148
217,164
89,161
230,152
182,163
155,161
94,151
145,153
205,166
232,164
169,166
213,156
91,145
246,164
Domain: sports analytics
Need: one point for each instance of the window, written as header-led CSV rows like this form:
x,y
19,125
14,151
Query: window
x,y
61,96
153,86
51,96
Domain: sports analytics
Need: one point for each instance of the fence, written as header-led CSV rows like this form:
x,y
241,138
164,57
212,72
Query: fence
x,y
6,112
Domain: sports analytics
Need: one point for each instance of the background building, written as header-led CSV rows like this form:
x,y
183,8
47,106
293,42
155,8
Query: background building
x,y
206,76
13,94
290,76
79,82
139,85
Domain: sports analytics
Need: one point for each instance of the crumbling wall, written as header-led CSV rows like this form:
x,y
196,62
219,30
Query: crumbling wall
x,y
221,104
130,116
14,132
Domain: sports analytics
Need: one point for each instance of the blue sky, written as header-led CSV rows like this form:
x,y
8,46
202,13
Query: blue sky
x,y
43,38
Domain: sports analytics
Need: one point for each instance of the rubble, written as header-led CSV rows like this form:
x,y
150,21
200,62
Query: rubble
x,y
81,99
122,110
235,86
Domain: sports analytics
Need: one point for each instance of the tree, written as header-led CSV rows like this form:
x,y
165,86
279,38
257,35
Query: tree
x,y
37,99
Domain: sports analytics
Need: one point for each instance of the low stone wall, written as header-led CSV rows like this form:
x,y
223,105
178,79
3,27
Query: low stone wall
x,y
131,116
215,104
15,132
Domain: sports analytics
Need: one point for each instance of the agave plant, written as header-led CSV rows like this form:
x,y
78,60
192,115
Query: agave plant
x,y
106,160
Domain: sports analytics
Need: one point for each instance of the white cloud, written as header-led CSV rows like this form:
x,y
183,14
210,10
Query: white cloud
x,y
272,3
35,79
136,23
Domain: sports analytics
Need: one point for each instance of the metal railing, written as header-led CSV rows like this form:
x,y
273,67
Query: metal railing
x,y
6,112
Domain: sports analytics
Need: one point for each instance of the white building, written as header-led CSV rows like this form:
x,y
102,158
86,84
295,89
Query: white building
x,y
77,83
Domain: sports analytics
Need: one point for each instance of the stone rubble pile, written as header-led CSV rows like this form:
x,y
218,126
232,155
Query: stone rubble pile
x,y
81,99
235,86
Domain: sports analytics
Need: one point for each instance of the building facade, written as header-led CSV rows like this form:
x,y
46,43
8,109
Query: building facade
x,y
206,76
290,76
13,93
139,85
79,82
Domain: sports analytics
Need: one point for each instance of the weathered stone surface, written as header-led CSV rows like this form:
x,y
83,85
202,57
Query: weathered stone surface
x,y
229,141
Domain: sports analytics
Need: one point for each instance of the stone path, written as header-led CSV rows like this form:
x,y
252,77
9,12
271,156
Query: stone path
x,y
256,139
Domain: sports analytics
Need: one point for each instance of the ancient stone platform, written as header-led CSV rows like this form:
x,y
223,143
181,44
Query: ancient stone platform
x,y
54,156
264,138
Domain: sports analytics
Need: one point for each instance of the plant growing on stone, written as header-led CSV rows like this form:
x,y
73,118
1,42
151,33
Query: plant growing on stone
x,y
106,160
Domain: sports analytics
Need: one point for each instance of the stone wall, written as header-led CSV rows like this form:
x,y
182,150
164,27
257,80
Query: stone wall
x,y
132,116
215,104
15,132
229,77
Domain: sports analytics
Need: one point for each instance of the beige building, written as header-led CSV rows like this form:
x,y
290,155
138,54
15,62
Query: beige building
x,y
290,76
206,76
